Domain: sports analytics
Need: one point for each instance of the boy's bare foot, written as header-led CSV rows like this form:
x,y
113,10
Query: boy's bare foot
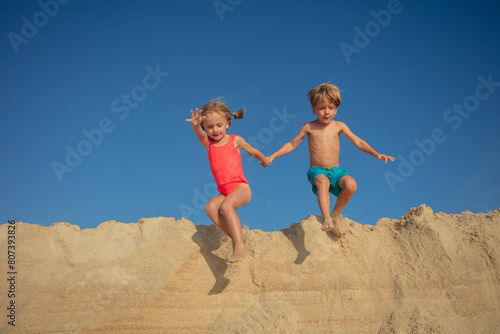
x,y
336,224
327,225
238,255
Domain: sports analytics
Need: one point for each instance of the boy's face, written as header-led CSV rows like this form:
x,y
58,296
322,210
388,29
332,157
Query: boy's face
x,y
215,125
325,110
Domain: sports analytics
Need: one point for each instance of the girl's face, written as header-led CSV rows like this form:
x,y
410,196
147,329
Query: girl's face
x,y
215,125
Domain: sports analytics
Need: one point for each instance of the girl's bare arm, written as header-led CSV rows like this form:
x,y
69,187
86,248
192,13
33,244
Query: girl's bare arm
x,y
195,121
241,143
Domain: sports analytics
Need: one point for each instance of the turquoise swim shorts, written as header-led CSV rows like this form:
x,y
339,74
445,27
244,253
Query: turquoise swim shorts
x,y
334,174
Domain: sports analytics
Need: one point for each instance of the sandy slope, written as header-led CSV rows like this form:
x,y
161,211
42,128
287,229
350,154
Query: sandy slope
x,y
423,273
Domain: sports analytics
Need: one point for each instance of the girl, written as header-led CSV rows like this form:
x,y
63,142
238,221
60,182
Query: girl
x,y
225,162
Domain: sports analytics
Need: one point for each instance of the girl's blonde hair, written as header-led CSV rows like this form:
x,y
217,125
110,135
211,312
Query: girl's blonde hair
x,y
324,91
220,107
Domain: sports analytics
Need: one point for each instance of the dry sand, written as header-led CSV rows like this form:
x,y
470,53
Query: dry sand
x,y
422,273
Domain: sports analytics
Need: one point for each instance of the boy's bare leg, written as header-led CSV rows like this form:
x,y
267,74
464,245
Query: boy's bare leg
x,y
238,198
348,186
323,193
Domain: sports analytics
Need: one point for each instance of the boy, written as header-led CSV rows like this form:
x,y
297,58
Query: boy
x,y
324,174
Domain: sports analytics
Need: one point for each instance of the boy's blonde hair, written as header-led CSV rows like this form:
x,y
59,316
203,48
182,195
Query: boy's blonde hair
x,y
221,108
324,91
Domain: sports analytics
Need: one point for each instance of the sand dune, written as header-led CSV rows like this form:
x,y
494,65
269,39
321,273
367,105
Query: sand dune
x,y
422,273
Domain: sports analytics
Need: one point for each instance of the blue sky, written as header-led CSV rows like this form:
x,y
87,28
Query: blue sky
x,y
95,94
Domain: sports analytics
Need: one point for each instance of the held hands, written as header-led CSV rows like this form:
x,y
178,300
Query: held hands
x,y
384,157
266,162
196,118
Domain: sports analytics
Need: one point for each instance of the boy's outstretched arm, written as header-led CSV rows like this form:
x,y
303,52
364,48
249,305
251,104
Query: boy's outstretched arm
x,y
252,151
291,145
363,145
195,121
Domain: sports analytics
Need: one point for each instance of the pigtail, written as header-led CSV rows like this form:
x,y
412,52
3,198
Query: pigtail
x,y
239,114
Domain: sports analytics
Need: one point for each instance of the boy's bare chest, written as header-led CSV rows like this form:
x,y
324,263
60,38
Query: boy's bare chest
x,y
325,136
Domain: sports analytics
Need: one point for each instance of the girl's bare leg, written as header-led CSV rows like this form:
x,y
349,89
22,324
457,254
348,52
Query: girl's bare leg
x,y
239,197
222,212
212,209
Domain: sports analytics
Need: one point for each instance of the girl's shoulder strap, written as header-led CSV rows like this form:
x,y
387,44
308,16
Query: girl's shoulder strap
x,y
231,138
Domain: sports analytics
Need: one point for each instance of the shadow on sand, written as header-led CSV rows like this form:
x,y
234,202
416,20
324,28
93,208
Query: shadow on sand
x,y
209,238
295,233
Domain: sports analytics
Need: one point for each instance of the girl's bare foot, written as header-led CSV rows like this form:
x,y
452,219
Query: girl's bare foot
x,y
238,255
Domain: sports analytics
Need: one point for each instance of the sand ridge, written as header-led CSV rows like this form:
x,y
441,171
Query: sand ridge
x,y
423,273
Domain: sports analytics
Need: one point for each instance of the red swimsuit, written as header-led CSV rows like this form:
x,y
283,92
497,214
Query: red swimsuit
x,y
225,163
